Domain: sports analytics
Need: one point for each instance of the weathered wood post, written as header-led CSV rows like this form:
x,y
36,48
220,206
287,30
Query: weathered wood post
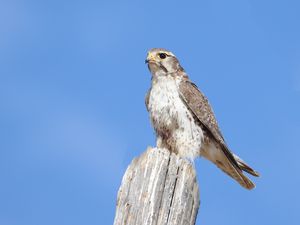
x,y
158,188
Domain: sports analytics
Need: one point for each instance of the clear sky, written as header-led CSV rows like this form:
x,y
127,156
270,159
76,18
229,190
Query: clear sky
x,y
72,113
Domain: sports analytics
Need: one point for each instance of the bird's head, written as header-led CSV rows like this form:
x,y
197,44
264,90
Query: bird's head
x,y
162,62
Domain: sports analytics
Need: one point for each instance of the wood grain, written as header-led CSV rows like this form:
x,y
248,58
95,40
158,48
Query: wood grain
x,y
158,188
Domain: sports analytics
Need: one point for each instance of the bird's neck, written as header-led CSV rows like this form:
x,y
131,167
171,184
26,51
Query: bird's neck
x,y
176,77
174,74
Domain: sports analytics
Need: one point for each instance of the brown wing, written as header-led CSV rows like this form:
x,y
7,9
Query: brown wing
x,y
223,157
199,105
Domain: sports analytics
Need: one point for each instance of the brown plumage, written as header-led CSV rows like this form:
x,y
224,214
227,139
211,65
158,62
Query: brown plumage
x,y
201,109
170,81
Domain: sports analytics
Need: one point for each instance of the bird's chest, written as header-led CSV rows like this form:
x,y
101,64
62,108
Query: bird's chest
x,y
172,120
165,106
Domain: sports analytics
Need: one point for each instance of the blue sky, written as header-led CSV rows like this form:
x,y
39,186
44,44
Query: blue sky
x,y
72,114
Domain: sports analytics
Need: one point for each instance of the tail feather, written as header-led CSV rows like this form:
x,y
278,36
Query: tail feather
x,y
229,163
235,173
245,167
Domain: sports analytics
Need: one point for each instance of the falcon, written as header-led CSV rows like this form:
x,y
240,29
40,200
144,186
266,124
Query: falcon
x,y
183,119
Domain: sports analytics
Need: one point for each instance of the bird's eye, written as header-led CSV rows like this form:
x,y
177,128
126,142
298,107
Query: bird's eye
x,y
162,55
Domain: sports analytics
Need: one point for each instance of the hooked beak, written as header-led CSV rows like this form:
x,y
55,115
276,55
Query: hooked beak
x,y
150,58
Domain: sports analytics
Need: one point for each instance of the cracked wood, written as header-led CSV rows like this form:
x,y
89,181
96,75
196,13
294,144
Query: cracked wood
x,y
158,188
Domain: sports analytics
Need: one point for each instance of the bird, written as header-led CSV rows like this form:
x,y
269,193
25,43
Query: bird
x,y
183,119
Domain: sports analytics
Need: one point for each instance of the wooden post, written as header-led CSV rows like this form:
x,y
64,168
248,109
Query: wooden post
x,y
158,188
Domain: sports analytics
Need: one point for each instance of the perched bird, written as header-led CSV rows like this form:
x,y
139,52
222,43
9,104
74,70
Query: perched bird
x,y
183,119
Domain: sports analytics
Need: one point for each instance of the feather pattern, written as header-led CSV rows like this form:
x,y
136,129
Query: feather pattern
x,y
214,148
183,119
